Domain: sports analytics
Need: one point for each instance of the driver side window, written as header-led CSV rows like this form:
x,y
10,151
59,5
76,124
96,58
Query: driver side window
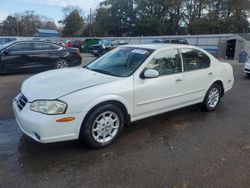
x,y
24,46
167,62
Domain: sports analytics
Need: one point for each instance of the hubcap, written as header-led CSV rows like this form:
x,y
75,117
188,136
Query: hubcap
x,y
61,64
213,97
105,127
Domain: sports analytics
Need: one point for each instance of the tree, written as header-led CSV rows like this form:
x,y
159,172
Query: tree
x,y
25,24
73,24
170,17
115,18
9,26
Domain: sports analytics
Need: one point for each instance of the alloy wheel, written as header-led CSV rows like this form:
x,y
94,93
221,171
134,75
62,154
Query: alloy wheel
x,y
213,97
105,127
62,64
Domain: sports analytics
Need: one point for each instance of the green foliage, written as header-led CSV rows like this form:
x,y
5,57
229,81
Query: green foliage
x,y
73,24
141,18
25,24
170,17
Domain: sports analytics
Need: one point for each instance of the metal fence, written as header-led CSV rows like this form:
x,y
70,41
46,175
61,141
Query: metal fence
x,y
207,42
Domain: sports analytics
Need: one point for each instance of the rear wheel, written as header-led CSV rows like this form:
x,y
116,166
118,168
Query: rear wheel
x,y
61,63
212,98
102,126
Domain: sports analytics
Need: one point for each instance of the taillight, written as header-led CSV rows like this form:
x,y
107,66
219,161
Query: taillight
x,y
78,53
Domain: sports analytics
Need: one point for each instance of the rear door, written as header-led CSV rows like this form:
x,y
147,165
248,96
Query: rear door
x,y
16,56
44,54
197,75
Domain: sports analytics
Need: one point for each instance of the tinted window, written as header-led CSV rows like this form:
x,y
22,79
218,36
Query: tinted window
x,y
167,62
20,47
175,41
183,42
44,46
166,41
194,59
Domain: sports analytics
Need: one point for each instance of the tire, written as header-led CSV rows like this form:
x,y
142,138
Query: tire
x,y
61,63
102,126
248,74
212,97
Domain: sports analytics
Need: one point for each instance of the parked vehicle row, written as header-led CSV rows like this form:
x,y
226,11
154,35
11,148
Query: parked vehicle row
x,y
23,55
105,46
127,84
171,41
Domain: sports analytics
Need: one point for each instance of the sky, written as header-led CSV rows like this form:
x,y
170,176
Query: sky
x,y
49,8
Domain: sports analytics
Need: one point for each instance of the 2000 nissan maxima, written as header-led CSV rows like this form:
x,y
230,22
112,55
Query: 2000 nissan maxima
x,y
129,83
23,55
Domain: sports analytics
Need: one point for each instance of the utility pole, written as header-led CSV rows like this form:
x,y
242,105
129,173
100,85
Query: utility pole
x,y
90,22
17,29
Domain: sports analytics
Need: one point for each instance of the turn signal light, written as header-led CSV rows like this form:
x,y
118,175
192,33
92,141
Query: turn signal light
x,y
67,119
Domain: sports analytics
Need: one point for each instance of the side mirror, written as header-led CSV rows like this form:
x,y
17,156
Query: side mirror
x,y
150,73
6,51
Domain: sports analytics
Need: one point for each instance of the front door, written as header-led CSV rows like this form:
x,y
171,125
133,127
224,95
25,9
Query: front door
x,y
16,56
159,94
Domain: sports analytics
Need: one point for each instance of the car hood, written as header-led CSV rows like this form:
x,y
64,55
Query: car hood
x,y
57,83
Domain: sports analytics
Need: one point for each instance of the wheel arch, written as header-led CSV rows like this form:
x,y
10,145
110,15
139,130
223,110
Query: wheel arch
x,y
62,57
127,116
220,83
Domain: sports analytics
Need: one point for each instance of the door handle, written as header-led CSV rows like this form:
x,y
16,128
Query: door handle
x,y
210,73
179,80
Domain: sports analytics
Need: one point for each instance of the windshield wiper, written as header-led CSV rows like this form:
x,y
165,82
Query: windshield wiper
x,y
101,71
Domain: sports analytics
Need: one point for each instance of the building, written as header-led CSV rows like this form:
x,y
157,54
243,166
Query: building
x,y
46,33
236,44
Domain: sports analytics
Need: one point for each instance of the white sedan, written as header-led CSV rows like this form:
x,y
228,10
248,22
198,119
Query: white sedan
x,y
129,83
247,67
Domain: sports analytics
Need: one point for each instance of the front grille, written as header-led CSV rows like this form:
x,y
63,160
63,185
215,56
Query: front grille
x,y
21,101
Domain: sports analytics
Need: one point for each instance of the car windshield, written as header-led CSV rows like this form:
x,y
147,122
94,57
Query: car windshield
x,y
121,62
6,40
2,46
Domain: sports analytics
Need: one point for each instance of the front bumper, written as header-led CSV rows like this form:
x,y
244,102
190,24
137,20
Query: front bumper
x,y
44,128
247,68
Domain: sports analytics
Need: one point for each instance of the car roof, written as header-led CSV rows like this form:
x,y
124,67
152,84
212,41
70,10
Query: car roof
x,y
159,46
36,41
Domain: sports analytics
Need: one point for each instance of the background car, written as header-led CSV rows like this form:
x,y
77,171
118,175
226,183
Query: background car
x,y
104,46
100,48
172,41
20,55
247,67
74,43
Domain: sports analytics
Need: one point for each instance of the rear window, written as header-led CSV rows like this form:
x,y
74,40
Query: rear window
x,y
45,46
194,59
25,46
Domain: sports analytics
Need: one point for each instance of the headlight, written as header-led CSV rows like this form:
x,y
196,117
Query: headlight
x,y
49,107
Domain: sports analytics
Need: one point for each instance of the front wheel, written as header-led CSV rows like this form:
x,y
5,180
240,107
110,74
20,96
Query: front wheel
x,y
61,63
102,126
212,98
